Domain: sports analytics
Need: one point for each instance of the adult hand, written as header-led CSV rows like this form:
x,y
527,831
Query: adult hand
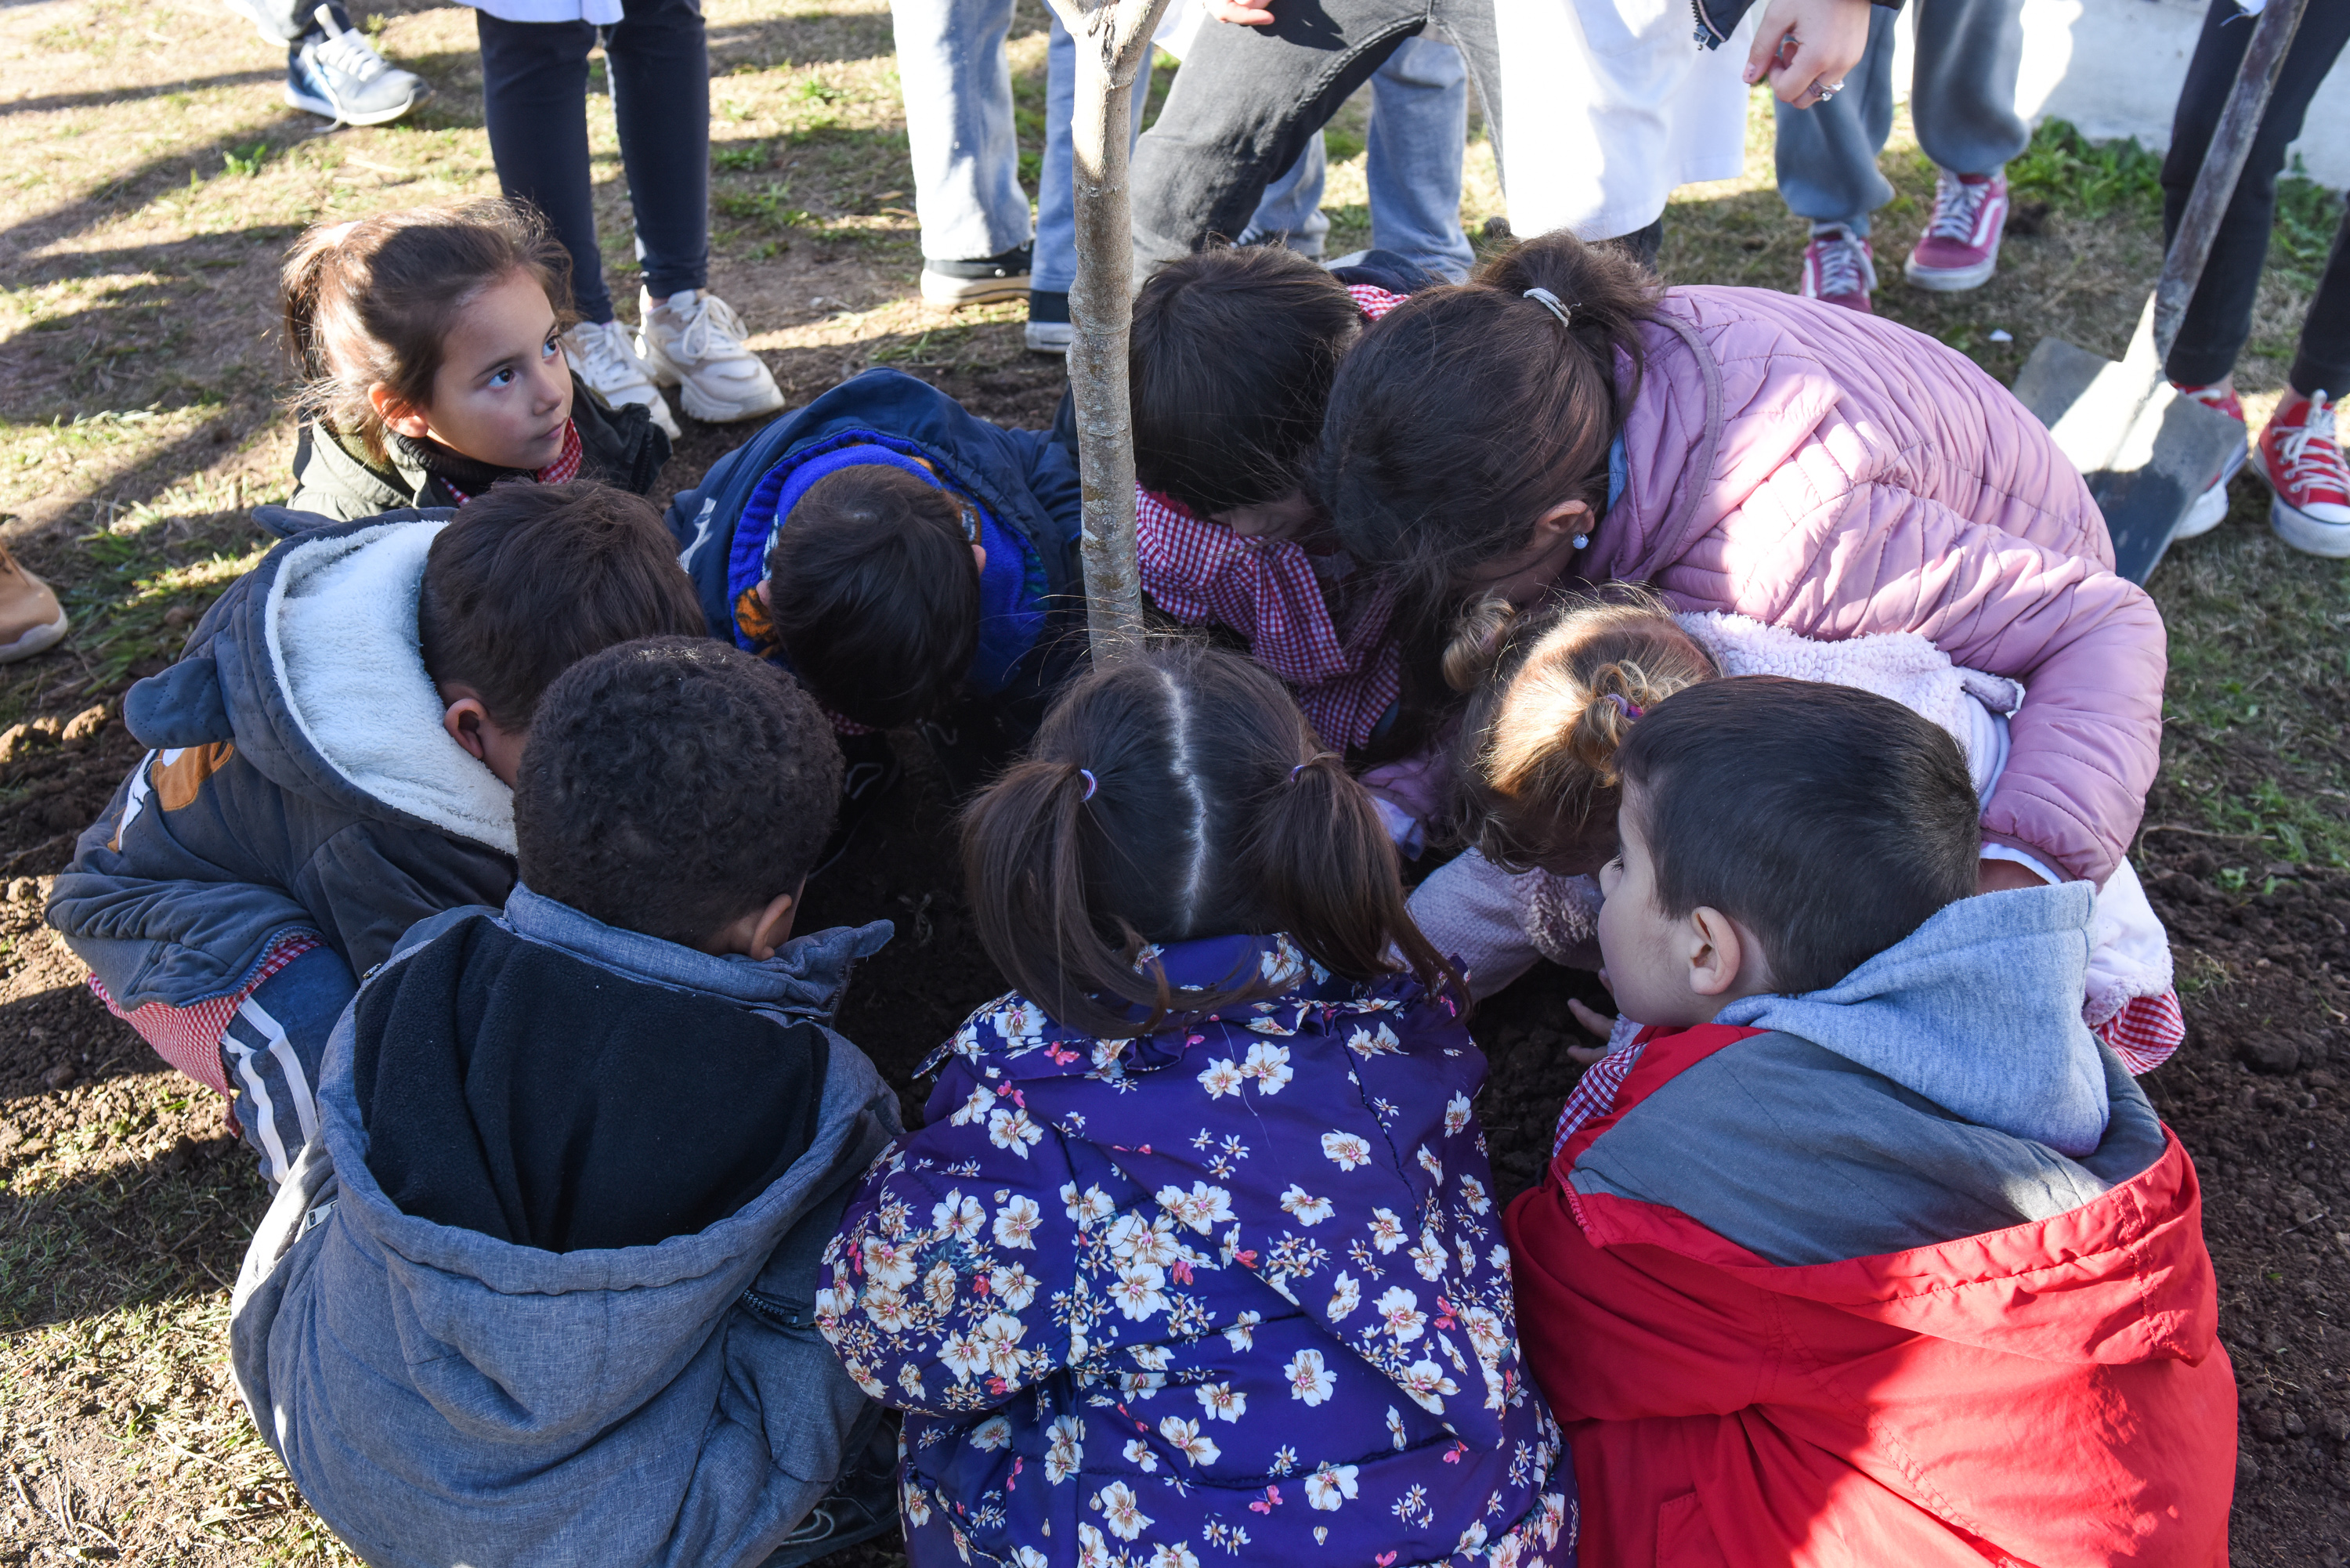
x,y
1808,45
1241,11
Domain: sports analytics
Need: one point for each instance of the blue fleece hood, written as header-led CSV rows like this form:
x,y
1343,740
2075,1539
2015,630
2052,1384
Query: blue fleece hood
x,y
1979,1010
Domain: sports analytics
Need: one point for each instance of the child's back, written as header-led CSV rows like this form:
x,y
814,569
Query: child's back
x,y
589,1149
324,772
1868,1247
1226,1277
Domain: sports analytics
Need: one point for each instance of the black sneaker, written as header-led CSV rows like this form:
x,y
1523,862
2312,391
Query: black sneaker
x,y
862,1504
981,282
1048,322
870,771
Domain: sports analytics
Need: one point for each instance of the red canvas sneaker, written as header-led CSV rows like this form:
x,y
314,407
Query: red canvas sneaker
x,y
2211,508
2300,457
1960,249
1839,268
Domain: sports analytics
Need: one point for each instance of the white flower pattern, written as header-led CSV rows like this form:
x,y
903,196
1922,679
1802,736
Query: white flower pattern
x,y
1064,1291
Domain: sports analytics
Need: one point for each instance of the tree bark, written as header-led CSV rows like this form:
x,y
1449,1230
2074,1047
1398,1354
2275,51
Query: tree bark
x,y
1113,39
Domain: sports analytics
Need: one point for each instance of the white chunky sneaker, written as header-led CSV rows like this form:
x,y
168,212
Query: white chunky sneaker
x,y
605,358
335,73
693,341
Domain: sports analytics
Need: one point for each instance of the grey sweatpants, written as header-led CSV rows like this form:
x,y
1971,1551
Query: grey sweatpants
x,y
1961,100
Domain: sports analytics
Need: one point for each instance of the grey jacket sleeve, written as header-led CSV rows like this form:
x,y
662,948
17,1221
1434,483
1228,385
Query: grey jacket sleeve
x,y
375,881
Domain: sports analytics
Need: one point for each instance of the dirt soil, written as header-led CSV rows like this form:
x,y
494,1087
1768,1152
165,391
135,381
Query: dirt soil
x,y
124,1206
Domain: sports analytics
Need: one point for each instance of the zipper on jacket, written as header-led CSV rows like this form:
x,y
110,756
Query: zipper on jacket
x,y
1711,36
776,1311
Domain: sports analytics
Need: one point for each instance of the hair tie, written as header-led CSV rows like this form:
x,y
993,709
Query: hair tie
x,y
1624,704
1092,783
1550,302
1316,757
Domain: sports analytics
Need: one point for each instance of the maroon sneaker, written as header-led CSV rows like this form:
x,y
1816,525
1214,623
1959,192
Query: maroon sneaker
x,y
1960,249
1839,267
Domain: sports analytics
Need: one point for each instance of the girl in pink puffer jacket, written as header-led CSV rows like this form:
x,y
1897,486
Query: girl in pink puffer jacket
x,y
1561,422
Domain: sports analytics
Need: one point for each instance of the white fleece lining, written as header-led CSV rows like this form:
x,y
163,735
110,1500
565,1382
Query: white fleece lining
x,y
341,626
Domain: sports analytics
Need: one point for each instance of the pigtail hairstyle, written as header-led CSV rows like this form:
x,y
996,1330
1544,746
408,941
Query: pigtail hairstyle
x,y
1176,794
1560,693
371,303
1468,413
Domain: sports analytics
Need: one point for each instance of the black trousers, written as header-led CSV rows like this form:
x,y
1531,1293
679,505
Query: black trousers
x,y
2219,317
535,99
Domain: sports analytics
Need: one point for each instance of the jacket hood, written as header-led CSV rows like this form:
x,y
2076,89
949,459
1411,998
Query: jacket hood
x,y
312,665
1978,1009
538,1350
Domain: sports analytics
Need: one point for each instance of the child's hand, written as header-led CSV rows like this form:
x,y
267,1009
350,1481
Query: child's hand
x,y
1597,1024
1243,12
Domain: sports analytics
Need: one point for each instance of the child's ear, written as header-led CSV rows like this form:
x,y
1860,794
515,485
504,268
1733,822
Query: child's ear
x,y
767,593
979,555
463,719
397,415
773,926
1719,953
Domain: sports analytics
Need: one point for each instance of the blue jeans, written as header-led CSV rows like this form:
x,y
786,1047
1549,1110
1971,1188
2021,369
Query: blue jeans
x,y
1419,128
959,126
1056,211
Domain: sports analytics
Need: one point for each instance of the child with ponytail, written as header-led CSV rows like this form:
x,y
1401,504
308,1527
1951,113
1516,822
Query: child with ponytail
x,y
1197,1249
1555,694
1562,422
429,346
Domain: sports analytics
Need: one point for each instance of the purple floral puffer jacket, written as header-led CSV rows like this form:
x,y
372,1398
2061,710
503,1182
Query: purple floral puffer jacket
x,y
1236,1290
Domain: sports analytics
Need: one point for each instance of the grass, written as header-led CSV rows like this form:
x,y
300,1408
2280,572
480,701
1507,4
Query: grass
x,y
151,182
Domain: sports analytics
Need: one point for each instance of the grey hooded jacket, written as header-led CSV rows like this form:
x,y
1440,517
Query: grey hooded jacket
x,y
441,1396
299,779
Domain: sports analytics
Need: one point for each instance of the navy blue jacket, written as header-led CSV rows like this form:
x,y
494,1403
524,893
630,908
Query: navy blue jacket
x,y
1024,480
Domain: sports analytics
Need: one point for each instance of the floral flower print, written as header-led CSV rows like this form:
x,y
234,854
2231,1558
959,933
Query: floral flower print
x,y
1309,1379
1176,1281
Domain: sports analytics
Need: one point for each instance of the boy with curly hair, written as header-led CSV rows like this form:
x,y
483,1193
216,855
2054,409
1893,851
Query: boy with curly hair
x,y
595,1141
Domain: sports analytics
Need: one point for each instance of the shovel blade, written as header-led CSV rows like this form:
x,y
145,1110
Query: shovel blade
x,y
2148,453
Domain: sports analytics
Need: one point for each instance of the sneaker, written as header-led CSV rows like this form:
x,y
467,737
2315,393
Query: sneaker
x,y
1839,268
2211,508
335,74
605,358
31,619
2300,455
1049,331
693,341
990,278
1960,249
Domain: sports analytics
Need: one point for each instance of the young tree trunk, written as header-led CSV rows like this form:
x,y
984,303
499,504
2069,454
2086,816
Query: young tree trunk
x,y
1113,39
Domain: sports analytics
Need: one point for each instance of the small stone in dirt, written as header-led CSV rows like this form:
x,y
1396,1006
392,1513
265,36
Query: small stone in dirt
x,y
2265,1052
2248,1468
11,1136
59,1076
23,890
178,615
12,741
82,726
1497,227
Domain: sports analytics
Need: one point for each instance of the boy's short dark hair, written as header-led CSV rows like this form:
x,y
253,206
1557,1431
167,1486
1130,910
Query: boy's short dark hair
x,y
672,785
1230,367
1830,822
875,594
531,578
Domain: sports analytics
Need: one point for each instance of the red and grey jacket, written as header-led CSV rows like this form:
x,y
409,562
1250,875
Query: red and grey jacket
x,y
1792,1311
